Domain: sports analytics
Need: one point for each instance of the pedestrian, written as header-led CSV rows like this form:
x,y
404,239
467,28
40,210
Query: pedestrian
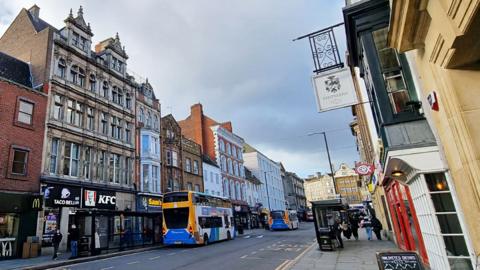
x,y
56,239
338,228
368,227
354,225
74,237
377,227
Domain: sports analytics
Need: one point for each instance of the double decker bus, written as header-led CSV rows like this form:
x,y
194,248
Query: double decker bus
x,y
196,218
283,220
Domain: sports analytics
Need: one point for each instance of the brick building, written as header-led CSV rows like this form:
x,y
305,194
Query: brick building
x,y
192,165
22,122
172,162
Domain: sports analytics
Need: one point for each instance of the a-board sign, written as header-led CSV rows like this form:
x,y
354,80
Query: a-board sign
x,y
399,260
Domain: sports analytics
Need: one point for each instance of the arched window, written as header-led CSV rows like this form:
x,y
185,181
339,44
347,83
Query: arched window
x,y
128,101
223,163
149,119
93,83
74,74
229,149
81,77
222,145
237,191
242,170
234,151
230,166
62,67
155,122
244,192
235,168
105,89
141,115
232,190
225,188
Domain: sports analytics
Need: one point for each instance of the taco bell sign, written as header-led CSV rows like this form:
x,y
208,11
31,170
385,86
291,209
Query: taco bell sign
x,y
334,89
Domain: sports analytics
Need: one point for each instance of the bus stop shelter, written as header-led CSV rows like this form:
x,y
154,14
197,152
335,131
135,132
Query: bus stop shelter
x,y
324,212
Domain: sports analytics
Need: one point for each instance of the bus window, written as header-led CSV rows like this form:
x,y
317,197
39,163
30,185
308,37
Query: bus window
x,y
176,218
227,223
176,197
210,222
276,214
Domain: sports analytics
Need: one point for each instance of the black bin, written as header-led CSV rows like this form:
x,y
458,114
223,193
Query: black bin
x,y
84,246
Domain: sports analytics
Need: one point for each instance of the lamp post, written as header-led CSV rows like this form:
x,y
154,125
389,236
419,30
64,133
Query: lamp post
x,y
266,186
328,154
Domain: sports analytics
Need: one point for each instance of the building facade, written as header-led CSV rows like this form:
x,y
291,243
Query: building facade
x,y
318,187
21,144
268,172
293,189
192,165
416,179
211,177
348,184
172,162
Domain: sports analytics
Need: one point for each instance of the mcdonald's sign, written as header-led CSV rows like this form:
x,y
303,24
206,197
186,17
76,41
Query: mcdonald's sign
x,y
36,202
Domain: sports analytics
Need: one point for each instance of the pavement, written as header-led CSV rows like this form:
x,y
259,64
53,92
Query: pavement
x,y
359,255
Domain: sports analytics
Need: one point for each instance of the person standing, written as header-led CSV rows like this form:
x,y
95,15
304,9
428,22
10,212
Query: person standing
x,y
74,237
354,225
338,228
368,227
377,227
56,239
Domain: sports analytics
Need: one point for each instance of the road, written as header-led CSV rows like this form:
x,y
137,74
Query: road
x,y
260,250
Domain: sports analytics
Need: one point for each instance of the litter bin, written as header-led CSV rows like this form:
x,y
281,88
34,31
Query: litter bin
x,y
84,246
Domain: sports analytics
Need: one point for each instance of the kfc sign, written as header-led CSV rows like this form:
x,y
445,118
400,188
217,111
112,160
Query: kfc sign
x,y
100,199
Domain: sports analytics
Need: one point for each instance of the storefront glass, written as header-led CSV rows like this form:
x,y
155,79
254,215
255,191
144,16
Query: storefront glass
x,y
8,234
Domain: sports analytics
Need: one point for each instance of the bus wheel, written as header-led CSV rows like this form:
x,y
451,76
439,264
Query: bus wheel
x,y
229,236
205,240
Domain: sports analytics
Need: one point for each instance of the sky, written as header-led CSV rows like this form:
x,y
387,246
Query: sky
x,y
235,57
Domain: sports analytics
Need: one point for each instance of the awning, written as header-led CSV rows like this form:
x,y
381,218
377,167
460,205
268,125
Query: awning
x,y
412,162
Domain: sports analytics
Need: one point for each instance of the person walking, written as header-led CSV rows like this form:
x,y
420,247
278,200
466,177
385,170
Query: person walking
x,y
338,228
74,234
56,239
368,227
354,225
377,227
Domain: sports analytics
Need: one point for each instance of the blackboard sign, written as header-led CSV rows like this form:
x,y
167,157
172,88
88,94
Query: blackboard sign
x,y
398,260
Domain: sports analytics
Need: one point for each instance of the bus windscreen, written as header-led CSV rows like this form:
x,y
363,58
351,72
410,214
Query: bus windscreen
x,y
277,214
176,218
176,197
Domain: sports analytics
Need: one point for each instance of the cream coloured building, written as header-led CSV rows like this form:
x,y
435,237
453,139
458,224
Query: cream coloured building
x,y
318,187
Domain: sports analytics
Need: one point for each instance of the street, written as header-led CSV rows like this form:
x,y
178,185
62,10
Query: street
x,y
259,250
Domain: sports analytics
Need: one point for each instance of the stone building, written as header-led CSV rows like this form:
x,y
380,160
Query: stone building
x,y
192,165
348,184
22,122
172,162
319,187
293,189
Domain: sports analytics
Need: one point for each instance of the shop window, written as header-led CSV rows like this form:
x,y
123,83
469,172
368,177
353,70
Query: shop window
x,y
25,112
19,161
9,229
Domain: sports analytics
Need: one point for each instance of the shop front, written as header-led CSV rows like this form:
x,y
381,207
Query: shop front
x,y
152,204
241,213
18,221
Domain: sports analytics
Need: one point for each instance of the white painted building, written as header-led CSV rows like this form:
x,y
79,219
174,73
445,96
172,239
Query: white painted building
x,y
212,177
271,193
254,187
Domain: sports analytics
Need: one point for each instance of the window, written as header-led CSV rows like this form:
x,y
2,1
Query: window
x,y
197,189
145,144
217,178
169,157
90,118
105,89
102,158
128,133
235,168
155,178
104,123
230,166
115,94
62,67
234,151
74,112
188,165
229,149
195,167
155,146
141,115
74,74
57,107
19,163
211,177
93,83
71,155
223,163
174,159
155,123
25,112
113,127
83,44
149,119
146,177
128,101
120,129
392,72
114,175
54,155
170,134
75,39
81,77
189,186
120,97
86,162
128,171
222,145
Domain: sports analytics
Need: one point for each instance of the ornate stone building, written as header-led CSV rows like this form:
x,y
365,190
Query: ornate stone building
x,y
192,165
172,162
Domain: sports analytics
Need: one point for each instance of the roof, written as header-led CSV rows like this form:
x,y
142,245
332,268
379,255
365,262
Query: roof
x,y
15,70
39,24
208,160
247,148
334,204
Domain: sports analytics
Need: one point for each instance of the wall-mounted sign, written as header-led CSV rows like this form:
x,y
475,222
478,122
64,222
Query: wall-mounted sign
x,y
149,203
36,202
100,199
334,89
59,195
433,101
363,168
398,260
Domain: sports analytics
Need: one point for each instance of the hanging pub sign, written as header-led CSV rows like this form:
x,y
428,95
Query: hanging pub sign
x,y
398,260
362,168
60,195
334,89
100,199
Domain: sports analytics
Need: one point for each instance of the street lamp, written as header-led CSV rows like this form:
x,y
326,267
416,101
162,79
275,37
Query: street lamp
x,y
328,154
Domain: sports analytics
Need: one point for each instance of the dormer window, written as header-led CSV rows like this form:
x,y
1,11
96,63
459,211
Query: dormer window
x,y
62,67
105,89
83,43
93,83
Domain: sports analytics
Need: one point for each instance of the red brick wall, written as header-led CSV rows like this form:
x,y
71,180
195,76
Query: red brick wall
x,y
13,134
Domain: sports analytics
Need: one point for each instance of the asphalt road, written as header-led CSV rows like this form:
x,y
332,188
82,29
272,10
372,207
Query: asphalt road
x,y
259,250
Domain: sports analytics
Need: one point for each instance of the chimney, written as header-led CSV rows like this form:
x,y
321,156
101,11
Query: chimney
x,y
35,12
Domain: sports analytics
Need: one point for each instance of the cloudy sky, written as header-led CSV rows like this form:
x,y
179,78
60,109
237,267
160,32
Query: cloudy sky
x,y
237,58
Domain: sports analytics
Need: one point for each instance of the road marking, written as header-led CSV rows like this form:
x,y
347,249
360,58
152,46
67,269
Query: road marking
x,y
253,252
280,267
183,251
262,249
298,249
170,254
296,259
243,257
260,236
246,237
133,262
154,258
107,268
